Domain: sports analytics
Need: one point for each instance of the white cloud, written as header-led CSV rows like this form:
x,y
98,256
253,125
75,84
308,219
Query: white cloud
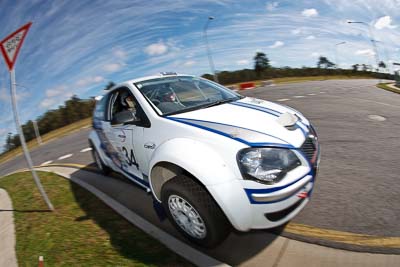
x,y
271,6
55,95
156,49
113,67
242,62
3,131
89,81
296,31
365,52
120,53
315,54
4,96
277,44
48,103
56,91
310,37
310,12
189,63
384,22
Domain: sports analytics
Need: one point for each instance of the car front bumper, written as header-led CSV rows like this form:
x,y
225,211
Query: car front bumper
x,y
251,205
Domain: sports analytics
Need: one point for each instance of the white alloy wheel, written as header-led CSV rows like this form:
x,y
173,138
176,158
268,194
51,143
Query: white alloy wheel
x,y
187,217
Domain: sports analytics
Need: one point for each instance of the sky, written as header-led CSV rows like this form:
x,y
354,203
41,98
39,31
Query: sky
x,y
78,46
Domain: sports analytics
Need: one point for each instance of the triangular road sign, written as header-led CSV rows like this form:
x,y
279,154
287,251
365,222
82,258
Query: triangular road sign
x,y
11,45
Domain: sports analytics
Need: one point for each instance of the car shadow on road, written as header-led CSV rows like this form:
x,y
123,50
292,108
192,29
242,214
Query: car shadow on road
x,y
126,239
236,249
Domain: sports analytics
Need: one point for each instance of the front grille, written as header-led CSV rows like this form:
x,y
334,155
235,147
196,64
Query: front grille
x,y
279,215
308,148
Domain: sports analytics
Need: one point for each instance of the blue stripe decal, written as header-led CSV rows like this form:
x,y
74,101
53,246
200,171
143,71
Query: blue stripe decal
x,y
224,124
227,135
264,109
249,192
267,110
136,179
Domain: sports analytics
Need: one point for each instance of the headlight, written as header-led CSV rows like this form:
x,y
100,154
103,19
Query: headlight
x,y
266,165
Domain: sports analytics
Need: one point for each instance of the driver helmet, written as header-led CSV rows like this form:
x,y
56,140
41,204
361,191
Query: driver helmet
x,y
168,95
127,100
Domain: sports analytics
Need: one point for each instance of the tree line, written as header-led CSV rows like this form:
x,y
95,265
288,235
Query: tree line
x,y
324,67
74,109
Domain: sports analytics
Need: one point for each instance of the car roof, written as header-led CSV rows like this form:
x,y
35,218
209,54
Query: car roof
x,y
155,77
141,79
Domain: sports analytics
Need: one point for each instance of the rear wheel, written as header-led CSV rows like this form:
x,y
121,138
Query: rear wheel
x,y
194,212
99,163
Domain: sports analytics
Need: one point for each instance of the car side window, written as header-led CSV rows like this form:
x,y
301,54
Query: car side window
x,y
122,100
99,111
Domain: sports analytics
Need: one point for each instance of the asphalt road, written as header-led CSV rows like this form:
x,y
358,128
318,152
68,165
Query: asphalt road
x,y
358,187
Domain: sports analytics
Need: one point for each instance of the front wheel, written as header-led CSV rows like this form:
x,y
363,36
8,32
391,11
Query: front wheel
x,y
194,212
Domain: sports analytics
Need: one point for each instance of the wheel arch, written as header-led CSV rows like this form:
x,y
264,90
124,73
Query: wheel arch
x,y
194,158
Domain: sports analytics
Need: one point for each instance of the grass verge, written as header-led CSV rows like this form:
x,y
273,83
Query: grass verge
x,y
83,231
306,78
385,86
47,137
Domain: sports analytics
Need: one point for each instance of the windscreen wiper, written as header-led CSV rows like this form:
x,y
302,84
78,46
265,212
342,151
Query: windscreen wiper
x,y
219,102
216,103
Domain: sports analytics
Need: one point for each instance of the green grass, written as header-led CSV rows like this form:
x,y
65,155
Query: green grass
x,y
306,78
388,88
83,231
47,137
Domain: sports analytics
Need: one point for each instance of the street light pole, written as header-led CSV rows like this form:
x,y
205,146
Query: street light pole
x,y
210,60
386,55
37,133
372,39
336,53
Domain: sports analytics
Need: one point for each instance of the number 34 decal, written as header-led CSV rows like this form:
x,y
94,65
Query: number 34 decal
x,y
130,157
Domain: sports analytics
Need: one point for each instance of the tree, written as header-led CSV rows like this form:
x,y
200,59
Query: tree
x,y
382,65
364,67
261,63
324,62
109,85
9,144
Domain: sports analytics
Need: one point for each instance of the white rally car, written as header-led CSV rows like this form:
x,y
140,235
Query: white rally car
x,y
211,157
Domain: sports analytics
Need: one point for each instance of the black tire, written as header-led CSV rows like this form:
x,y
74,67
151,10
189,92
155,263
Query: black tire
x,y
99,163
217,227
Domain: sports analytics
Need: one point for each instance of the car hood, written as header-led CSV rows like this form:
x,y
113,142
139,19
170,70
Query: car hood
x,y
251,121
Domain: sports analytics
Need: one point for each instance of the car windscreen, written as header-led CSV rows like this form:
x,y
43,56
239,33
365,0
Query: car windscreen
x,y
173,95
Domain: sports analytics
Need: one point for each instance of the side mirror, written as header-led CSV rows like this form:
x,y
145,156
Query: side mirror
x,y
124,117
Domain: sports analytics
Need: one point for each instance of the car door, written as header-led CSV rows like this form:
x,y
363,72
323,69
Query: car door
x,y
128,138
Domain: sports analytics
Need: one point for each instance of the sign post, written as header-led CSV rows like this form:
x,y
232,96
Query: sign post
x,y
10,47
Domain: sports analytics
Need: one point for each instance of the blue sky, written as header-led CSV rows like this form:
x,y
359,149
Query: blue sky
x,y
77,46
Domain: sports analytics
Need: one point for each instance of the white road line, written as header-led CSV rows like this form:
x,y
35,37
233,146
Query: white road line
x,y
86,149
46,163
299,96
311,94
65,156
283,99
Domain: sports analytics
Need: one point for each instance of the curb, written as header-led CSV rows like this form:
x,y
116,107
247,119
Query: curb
x,y
182,249
8,255
389,87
